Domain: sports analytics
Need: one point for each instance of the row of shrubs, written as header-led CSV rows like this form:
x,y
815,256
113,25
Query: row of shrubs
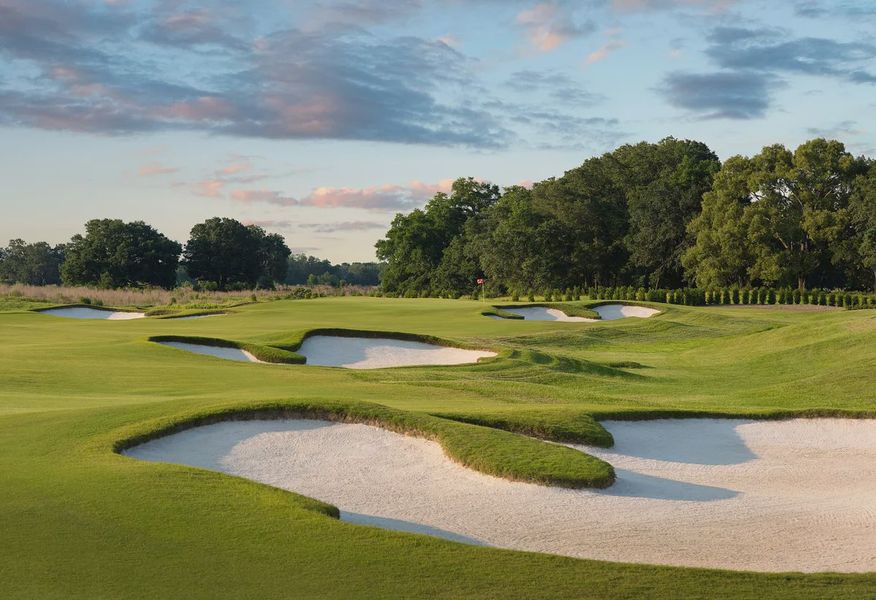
x,y
760,295
685,296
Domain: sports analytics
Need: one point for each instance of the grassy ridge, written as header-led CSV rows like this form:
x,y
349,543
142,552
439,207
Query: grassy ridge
x,y
484,449
268,354
81,521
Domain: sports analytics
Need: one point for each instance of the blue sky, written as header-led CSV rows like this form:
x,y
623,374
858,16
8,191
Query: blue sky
x,y
320,119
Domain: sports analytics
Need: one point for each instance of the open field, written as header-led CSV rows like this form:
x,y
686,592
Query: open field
x,y
82,521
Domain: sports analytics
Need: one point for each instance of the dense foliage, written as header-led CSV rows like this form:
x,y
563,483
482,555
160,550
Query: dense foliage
x,y
33,264
304,269
228,254
649,215
114,254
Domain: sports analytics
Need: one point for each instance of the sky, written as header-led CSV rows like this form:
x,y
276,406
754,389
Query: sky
x,y
322,119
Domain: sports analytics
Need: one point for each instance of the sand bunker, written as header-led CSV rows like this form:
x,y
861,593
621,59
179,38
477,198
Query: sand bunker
x,y
376,353
765,496
217,351
610,312
82,312
607,312
543,313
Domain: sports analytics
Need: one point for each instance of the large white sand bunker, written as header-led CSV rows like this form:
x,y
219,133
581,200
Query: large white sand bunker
x,y
766,496
610,312
216,351
376,353
543,313
82,312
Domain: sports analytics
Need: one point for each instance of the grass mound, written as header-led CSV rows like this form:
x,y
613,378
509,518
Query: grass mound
x,y
491,451
264,353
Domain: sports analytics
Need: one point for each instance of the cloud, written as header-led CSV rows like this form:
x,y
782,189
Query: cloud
x,y
711,6
557,86
389,197
721,95
270,223
615,42
548,25
765,50
852,9
156,168
344,226
102,71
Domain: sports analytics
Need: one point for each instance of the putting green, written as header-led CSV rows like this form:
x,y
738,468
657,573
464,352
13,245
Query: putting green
x,y
82,521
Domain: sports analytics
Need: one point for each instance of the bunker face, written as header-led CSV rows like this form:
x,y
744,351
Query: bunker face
x,y
217,351
542,313
607,312
81,312
610,312
765,496
376,353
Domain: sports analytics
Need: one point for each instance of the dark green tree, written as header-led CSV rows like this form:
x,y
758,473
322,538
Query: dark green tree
x,y
33,264
115,254
225,252
664,185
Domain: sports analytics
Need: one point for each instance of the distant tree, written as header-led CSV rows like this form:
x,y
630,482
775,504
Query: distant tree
x,y
33,264
415,243
720,255
797,207
301,267
273,255
230,254
664,185
115,254
862,219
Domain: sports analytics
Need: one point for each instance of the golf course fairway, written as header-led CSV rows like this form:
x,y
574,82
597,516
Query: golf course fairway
x,y
83,520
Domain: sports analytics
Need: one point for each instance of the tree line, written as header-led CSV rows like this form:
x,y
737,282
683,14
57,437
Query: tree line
x,y
221,253
649,215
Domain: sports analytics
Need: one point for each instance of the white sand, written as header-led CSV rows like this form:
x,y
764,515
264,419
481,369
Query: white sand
x,y
542,313
607,312
376,353
610,312
764,496
81,312
217,351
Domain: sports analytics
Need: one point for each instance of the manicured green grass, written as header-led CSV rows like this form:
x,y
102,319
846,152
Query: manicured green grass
x,y
80,520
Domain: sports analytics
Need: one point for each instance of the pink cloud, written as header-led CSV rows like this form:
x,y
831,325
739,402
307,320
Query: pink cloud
x,y
614,43
383,197
203,108
156,168
548,26
210,188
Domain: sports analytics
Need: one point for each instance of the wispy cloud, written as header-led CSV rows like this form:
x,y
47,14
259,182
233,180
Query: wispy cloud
x,y
344,226
723,95
389,197
548,25
156,168
615,42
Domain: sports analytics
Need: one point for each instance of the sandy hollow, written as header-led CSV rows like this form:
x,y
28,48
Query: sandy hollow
x,y
766,496
81,312
376,353
607,312
217,351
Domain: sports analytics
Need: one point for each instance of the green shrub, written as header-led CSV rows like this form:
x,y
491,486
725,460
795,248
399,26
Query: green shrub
x,y
531,295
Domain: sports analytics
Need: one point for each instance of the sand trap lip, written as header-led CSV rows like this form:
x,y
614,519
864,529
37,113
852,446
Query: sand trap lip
x,y
184,317
607,312
82,312
610,312
217,351
755,495
379,352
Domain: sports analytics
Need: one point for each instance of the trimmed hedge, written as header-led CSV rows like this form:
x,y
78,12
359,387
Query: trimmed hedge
x,y
740,296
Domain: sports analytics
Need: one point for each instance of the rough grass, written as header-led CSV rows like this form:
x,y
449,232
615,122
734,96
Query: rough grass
x,y
80,521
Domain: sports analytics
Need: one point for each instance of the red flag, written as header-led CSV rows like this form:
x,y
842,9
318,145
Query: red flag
x,y
480,281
